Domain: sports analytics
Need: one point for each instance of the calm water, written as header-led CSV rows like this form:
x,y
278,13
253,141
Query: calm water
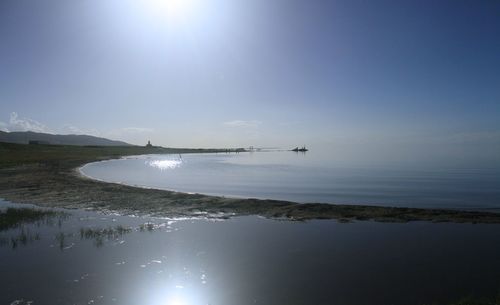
x,y
304,178
246,260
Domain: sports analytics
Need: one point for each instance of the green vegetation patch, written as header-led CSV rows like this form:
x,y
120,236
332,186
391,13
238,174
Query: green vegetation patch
x,y
11,218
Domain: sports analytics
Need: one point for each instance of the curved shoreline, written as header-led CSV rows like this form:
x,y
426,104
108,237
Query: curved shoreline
x,y
48,175
243,197
83,175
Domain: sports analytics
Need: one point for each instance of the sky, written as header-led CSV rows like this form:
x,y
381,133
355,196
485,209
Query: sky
x,y
414,82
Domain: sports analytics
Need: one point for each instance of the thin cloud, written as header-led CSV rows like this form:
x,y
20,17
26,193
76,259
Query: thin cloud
x,y
17,123
242,123
71,129
24,124
137,129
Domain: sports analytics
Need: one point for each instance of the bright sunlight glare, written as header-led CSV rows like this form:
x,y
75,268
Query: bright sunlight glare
x,y
172,10
165,164
175,301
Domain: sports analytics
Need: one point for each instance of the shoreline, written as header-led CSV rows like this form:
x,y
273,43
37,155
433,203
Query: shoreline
x,y
47,175
242,197
85,176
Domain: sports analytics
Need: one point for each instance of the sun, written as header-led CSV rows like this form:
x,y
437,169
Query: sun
x,y
173,10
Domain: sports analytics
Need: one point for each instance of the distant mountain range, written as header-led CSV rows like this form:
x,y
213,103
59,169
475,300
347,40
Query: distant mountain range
x,y
24,137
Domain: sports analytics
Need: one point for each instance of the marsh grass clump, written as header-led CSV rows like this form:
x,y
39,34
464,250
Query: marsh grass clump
x,y
61,239
99,234
148,226
18,218
23,238
110,233
11,218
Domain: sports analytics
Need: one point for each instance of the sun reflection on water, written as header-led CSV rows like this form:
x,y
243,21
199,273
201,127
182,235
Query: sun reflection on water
x,y
164,164
176,298
176,301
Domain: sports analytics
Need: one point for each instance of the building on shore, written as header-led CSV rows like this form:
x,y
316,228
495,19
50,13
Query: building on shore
x,y
149,145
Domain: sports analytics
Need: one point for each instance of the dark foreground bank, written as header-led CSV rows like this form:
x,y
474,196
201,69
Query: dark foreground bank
x,y
47,175
91,258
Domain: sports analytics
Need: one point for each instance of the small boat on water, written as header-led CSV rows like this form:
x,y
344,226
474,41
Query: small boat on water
x,y
303,149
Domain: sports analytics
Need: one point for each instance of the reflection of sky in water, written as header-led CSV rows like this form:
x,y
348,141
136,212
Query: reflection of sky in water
x,y
303,178
164,164
246,260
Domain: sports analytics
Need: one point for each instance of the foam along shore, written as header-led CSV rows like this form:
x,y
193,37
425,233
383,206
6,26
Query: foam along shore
x,y
47,175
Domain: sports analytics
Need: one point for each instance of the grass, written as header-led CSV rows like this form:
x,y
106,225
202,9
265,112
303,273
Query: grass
x,y
64,155
24,237
149,226
14,217
46,175
110,233
99,234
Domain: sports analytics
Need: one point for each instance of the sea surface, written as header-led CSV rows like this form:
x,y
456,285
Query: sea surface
x,y
84,257
305,177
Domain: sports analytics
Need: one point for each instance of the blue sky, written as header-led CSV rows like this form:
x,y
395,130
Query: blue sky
x,y
371,80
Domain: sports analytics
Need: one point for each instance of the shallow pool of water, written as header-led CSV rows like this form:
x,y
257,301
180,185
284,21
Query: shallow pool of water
x,y
85,258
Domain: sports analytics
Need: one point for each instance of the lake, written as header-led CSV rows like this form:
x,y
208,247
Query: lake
x,y
90,258
309,177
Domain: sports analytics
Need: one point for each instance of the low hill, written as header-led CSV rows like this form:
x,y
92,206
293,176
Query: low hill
x,y
24,137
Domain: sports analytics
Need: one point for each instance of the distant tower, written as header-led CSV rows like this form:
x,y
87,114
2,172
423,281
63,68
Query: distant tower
x,y
149,144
